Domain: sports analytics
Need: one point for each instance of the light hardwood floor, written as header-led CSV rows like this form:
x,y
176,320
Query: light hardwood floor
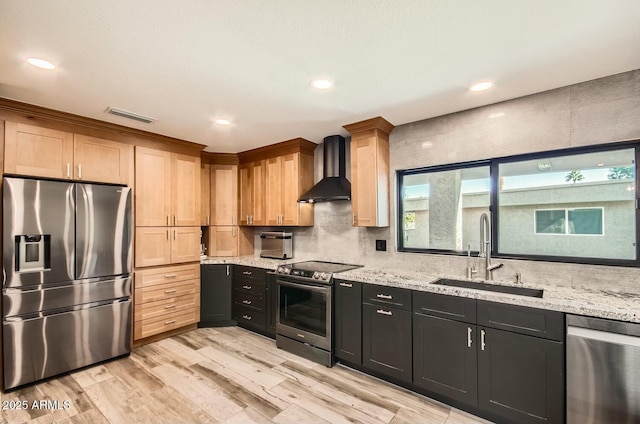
x,y
226,375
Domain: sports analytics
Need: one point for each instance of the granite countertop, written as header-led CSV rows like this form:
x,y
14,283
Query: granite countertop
x,y
596,303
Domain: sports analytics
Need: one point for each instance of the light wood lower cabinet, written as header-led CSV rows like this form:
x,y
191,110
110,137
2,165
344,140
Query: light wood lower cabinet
x,y
166,298
166,245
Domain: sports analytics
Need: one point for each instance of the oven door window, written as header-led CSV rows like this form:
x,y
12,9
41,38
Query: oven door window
x,y
303,309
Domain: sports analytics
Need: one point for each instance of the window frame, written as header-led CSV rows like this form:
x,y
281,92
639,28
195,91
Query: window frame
x,y
494,205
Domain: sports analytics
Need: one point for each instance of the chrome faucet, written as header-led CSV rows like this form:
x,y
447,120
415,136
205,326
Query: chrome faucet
x,y
485,247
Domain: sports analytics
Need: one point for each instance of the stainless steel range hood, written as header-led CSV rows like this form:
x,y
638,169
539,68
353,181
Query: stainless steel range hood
x,y
334,184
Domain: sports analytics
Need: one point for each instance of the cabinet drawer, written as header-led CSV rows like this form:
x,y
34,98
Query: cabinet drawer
x,y
166,306
150,327
249,317
166,291
390,297
244,272
167,274
257,288
443,306
249,300
522,319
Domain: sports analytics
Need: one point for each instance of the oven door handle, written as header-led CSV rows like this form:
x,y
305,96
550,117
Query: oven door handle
x,y
304,285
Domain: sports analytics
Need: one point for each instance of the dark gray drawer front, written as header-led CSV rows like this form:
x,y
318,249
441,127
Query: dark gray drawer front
x,y
522,319
392,297
249,301
444,306
249,317
254,287
244,272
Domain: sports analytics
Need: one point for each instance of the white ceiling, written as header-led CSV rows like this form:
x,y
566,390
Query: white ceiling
x,y
189,62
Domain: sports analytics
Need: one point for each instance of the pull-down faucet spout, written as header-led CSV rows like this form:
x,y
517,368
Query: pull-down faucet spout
x,y
485,247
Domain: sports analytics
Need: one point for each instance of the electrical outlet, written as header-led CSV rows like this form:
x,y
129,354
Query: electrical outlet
x,y
381,245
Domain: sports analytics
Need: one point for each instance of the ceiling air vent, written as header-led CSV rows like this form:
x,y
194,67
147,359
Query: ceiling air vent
x,y
130,115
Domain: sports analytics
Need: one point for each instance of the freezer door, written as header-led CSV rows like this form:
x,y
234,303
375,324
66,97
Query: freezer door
x,y
103,230
38,222
49,345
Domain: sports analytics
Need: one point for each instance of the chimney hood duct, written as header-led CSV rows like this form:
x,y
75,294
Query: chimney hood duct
x,y
334,184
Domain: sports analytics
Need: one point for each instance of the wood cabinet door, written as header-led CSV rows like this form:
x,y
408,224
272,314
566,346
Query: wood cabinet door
x,y
153,187
185,244
205,194
273,190
152,246
444,357
258,171
364,195
348,326
386,341
224,194
100,160
290,190
245,193
185,190
37,152
223,241
520,378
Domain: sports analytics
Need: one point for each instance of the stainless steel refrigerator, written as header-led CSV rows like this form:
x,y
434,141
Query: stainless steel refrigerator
x,y
66,293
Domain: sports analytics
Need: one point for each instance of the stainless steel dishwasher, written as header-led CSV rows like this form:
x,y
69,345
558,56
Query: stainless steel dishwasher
x,y
603,371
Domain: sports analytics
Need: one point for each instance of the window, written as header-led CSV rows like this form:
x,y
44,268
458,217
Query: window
x,y
548,206
570,221
441,207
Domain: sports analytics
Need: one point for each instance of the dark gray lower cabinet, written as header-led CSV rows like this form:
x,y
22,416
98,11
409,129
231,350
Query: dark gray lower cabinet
x,y
348,321
271,304
445,357
386,341
520,377
215,295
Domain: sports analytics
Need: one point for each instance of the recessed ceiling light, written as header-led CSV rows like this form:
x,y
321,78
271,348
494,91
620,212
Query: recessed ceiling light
x,y
222,121
322,84
481,86
600,165
41,63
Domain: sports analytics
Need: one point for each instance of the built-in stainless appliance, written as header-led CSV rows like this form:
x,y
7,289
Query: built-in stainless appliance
x,y
305,309
66,293
603,371
276,245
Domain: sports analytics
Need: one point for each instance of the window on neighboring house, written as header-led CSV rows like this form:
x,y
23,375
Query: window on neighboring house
x,y
542,206
585,221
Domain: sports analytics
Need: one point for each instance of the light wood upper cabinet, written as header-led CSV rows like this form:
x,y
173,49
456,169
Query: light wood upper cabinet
x,y
153,187
287,178
166,245
273,190
42,152
370,172
224,194
205,196
100,160
167,188
185,190
251,193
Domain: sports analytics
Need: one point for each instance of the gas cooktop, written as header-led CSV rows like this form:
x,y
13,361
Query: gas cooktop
x,y
316,270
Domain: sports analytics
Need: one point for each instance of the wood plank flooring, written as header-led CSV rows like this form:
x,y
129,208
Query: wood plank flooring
x,y
223,375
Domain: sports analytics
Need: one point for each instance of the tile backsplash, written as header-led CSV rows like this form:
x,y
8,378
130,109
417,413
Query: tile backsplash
x,y
599,111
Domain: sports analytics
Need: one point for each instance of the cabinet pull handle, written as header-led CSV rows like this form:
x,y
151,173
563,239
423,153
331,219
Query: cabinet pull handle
x,y
169,306
482,339
168,235
248,220
170,291
207,219
233,220
175,234
227,269
251,218
346,285
383,312
233,232
79,171
168,222
247,317
384,296
68,170
170,321
354,219
170,275
246,302
175,219
246,287
469,336
246,272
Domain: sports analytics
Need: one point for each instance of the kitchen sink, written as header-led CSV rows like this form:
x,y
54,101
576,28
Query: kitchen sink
x,y
519,291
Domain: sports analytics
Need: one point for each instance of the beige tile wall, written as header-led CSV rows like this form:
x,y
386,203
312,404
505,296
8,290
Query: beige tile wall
x,y
599,111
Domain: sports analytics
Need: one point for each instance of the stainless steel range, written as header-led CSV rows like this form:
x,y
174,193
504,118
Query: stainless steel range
x,y
304,321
